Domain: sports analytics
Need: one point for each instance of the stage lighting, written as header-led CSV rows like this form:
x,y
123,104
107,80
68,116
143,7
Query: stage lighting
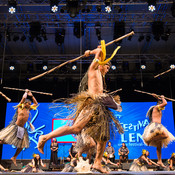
x,y
74,67
15,38
72,8
59,36
23,38
119,29
143,65
108,5
79,29
113,67
172,66
98,30
45,65
12,6
98,8
157,29
54,5
12,66
151,5
35,31
141,38
173,9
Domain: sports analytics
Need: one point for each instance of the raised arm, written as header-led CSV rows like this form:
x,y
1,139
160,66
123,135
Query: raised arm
x,y
24,96
163,104
97,52
35,103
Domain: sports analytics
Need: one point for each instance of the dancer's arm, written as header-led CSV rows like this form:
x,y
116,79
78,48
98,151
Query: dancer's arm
x,y
97,52
153,162
35,103
24,96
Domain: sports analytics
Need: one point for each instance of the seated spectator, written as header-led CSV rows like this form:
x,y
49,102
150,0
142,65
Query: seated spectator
x,y
110,152
72,152
140,163
171,162
123,153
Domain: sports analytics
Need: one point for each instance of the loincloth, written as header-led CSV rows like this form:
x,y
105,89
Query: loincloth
x,y
154,129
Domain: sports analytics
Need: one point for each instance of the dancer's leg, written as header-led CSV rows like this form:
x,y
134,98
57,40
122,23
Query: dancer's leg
x,y
65,130
100,150
159,155
15,155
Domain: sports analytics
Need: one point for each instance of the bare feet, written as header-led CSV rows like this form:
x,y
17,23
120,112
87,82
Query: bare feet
x,y
161,164
41,142
99,168
14,160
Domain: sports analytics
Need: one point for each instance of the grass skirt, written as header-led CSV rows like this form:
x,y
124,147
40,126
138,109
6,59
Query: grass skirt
x,y
136,167
9,136
154,129
102,124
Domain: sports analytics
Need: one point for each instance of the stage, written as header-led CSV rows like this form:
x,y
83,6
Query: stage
x,y
112,173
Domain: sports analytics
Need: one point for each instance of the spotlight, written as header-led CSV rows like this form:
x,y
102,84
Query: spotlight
x,y
113,67
54,5
23,38
12,66
173,9
141,38
12,6
15,38
78,29
98,30
59,36
72,8
98,8
45,65
143,65
74,67
108,5
172,66
151,5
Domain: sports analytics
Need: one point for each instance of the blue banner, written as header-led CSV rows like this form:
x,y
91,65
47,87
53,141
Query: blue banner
x,y
133,119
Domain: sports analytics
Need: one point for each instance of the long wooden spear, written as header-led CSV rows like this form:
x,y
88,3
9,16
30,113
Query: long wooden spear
x,y
38,92
75,59
163,72
8,99
113,92
143,92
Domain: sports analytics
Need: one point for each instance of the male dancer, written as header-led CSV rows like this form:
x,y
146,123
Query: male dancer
x,y
15,133
155,134
87,112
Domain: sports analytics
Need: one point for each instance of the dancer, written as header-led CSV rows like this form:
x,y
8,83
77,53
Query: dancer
x,y
34,165
140,163
92,109
72,153
171,162
15,133
155,134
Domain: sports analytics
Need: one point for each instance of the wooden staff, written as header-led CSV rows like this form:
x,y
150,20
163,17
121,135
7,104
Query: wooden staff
x,y
111,93
8,99
143,92
163,73
17,89
75,59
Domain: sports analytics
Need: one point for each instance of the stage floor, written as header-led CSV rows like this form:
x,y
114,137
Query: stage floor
x,y
112,173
